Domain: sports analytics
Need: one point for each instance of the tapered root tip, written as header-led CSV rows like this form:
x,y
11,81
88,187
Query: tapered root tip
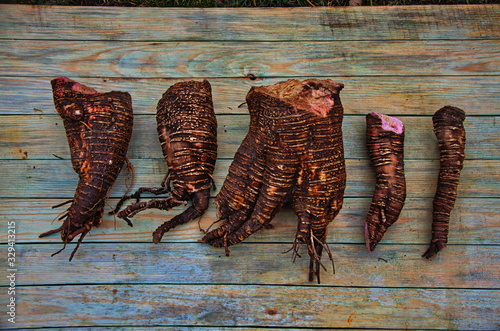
x,y
129,222
157,235
429,253
370,246
48,233
433,250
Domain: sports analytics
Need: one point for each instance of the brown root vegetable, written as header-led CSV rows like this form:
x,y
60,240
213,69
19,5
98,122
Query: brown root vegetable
x,y
187,130
385,140
450,133
293,149
238,195
98,127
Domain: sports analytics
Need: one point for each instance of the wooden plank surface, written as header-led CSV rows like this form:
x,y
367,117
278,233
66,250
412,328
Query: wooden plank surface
x,y
125,24
254,305
406,61
474,222
257,263
238,59
409,95
57,179
22,142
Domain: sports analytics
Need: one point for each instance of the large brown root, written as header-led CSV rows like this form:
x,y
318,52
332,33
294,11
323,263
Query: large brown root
x,y
293,149
239,193
385,140
187,130
450,133
98,127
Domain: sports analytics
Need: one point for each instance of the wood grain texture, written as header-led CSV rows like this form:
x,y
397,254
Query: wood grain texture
x,y
257,263
474,222
389,95
238,59
252,305
420,143
404,61
412,22
55,178
181,328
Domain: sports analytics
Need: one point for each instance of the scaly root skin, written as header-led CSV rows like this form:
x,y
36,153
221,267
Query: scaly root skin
x,y
187,130
293,150
200,205
384,139
98,129
450,133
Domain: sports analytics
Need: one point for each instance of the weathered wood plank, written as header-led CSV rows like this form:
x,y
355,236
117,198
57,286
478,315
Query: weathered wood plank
x,y
393,95
238,59
42,137
56,178
473,221
283,306
457,266
403,61
358,23
181,328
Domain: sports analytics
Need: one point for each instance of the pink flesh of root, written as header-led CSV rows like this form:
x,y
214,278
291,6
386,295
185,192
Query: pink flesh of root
x,y
63,79
390,123
77,86
83,89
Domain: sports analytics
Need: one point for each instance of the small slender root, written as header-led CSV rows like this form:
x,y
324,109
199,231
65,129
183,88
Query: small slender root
x,y
213,223
78,244
295,249
48,233
325,246
129,222
137,196
315,263
130,174
62,204
226,245
59,251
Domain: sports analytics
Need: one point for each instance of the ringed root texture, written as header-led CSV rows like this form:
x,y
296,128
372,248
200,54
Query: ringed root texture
x,y
98,127
385,140
293,150
187,130
450,134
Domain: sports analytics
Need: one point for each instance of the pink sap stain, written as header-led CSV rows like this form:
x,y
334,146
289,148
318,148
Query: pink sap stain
x,y
77,86
63,79
83,89
390,123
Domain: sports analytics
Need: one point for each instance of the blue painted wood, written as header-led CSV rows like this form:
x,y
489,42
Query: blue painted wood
x,y
402,61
